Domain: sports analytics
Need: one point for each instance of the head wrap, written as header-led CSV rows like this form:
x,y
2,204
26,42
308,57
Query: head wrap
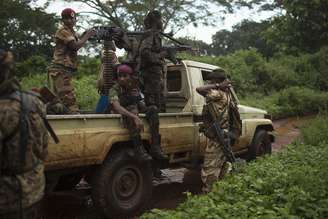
x,y
124,68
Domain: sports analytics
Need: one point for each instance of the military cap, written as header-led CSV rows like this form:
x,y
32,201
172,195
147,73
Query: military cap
x,y
68,13
218,73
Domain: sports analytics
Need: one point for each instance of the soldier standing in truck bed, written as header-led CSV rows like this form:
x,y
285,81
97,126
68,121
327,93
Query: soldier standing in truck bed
x,y
151,66
64,63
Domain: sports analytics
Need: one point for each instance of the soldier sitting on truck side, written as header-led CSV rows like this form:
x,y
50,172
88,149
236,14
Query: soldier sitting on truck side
x,y
216,93
125,97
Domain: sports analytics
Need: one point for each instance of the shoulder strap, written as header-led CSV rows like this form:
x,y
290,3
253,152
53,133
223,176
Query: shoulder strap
x,y
26,105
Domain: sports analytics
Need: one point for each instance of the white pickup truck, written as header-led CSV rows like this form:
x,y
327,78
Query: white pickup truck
x,y
98,148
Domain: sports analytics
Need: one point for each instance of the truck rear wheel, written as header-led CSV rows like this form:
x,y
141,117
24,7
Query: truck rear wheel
x,y
261,145
123,185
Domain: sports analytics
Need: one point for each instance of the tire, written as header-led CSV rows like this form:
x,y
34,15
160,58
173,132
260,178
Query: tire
x,y
260,146
68,182
123,185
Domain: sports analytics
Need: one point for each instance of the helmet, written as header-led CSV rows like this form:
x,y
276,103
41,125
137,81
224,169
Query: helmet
x,y
68,13
124,68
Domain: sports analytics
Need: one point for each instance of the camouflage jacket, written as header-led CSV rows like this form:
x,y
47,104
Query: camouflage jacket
x,y
17,179
219,100
63,55
126,97
150,50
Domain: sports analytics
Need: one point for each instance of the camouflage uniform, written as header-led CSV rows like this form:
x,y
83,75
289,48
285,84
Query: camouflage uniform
x,y
22,180
134,104
152,64
63,65
214,166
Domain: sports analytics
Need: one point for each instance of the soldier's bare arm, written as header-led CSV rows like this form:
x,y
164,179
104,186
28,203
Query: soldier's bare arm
x,y
121,110
76,45
203,90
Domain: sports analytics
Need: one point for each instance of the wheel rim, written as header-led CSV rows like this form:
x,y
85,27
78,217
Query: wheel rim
x,y
126,186
261,148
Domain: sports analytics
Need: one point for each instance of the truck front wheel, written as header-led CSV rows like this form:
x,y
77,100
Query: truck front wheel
x,y
123,185
260,145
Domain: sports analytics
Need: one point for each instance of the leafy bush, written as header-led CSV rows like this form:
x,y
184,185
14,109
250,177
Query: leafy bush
x,y
35,80
250,72
293,101
289,184
85,88
86,92
316,131
32,66
88,66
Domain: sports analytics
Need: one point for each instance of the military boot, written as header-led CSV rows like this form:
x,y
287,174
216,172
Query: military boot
x,y
155,149
140,150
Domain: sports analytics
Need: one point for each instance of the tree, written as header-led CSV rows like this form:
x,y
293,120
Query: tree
x,y
301,26
201,48
25,30
245,35
129,14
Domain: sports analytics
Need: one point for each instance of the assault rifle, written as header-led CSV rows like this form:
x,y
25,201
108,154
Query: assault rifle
x,y
221,137
224,140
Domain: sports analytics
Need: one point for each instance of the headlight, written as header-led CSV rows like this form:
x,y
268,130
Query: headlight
x,y
268,116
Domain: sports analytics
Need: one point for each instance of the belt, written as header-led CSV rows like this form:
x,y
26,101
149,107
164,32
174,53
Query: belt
x,y
56,66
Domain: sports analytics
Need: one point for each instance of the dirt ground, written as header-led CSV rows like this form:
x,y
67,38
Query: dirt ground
x,y
168,192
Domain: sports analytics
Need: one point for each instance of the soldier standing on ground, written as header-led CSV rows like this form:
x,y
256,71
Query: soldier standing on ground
x,y
217,95
23,147
151,66
64,63
124,97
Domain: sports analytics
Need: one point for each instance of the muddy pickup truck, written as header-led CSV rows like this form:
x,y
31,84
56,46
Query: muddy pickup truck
x,y
97,148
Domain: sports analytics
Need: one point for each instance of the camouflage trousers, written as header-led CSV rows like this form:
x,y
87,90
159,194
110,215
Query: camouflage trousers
x,y
129,123
61,84
215,165
151,117
33,212
153,80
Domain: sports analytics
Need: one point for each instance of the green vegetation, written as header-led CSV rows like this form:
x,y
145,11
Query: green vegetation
x,y
284,85
289,184
293,101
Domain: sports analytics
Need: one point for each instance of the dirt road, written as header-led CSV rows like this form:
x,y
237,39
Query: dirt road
x,y
168,192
